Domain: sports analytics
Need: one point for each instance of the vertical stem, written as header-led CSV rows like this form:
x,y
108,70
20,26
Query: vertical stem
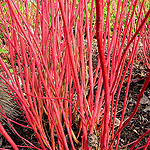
x,y
99,36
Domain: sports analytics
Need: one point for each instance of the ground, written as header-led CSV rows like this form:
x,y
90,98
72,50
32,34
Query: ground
x,y
137,126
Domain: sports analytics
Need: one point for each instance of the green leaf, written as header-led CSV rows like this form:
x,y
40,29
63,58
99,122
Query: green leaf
x,y
11,70
3,51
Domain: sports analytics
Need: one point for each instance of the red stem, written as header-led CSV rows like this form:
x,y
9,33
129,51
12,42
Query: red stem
x,y
99,37
5,134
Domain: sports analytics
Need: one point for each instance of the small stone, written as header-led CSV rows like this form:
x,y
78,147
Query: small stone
x,y
144,99
147,109
92,140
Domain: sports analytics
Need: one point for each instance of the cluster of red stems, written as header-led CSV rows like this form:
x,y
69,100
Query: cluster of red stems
x,y
49,44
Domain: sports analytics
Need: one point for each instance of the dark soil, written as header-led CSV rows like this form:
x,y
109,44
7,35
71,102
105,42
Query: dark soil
x,y
141,121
